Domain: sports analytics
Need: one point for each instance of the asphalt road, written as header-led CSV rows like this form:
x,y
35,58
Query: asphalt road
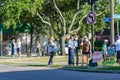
x,y
38,73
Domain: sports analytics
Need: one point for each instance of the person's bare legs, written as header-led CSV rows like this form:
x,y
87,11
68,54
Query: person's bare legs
x,y
19,53
83,56
87,56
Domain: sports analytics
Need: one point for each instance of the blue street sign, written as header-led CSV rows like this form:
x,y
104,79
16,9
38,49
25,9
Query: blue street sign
x,y
117,16
119,1
106,19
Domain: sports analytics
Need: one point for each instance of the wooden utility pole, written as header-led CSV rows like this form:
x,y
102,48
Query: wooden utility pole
x,y
112,21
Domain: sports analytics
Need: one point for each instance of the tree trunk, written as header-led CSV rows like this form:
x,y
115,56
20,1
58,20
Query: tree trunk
x,y
31,40
62,45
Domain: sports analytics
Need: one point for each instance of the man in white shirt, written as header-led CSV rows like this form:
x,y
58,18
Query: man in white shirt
x,y
117,44
71,48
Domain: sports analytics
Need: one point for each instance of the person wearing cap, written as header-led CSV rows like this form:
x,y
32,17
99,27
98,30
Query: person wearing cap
x,y
117,44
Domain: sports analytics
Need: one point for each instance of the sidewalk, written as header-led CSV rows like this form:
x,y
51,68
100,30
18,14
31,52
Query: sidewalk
x,y
41,64
9,68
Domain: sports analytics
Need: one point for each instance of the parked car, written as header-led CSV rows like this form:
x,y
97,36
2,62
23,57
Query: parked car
x,y
66,48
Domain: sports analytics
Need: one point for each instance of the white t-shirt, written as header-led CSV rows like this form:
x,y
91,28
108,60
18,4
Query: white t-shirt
x,y
117,43
76,43
19,44
71,44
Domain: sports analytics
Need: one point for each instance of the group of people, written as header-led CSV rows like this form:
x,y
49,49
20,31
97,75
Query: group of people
x,y
73,47
16,47
117,49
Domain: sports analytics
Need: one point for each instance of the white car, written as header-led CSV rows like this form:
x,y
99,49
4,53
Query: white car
x,y
66,48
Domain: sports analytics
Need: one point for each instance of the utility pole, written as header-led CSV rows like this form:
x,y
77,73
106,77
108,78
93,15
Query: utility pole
x,y
92,27
112,21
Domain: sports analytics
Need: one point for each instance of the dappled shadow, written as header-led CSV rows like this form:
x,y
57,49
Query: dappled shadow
x,y
53,74
39,74
44,74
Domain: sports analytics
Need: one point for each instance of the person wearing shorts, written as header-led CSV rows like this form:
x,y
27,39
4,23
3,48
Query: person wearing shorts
x,y
86,50
18,47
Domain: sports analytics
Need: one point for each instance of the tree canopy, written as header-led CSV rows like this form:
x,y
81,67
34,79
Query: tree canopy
x,y
14,10
63,16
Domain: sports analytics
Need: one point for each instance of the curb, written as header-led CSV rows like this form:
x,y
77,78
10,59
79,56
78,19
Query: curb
x,y
97,71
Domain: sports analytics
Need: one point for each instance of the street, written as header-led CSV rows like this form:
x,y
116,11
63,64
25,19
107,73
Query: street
x,y
44,73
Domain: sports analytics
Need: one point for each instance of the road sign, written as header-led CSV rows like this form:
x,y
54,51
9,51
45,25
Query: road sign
x,y
106,19
117,16
119,1
91,18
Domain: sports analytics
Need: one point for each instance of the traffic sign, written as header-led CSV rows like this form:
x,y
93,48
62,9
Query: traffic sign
x,y
117,16
107,19
91,18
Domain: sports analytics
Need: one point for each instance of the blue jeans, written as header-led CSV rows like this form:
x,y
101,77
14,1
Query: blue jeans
x,y
71,56
77,56
13,50
51,58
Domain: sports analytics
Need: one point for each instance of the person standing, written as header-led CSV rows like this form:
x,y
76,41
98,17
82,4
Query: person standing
x,y
86,50
117,44
71,48
18,47
51,49
38,50
76,44
13,48
104,48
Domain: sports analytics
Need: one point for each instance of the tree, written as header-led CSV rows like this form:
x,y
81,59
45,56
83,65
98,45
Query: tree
x,y
20,12
67,17
63,16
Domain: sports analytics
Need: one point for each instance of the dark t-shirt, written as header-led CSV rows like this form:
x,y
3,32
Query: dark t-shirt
x,y
79,41
86,47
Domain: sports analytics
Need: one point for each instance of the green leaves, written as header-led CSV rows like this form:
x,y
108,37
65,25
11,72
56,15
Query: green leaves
x,y
14,9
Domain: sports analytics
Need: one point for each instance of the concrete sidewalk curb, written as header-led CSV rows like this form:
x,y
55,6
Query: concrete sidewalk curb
x,y
92,70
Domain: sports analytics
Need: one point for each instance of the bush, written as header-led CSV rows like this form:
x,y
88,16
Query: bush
x,y
98,45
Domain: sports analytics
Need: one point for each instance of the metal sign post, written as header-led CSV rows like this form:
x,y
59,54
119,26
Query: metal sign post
x,y
93,20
